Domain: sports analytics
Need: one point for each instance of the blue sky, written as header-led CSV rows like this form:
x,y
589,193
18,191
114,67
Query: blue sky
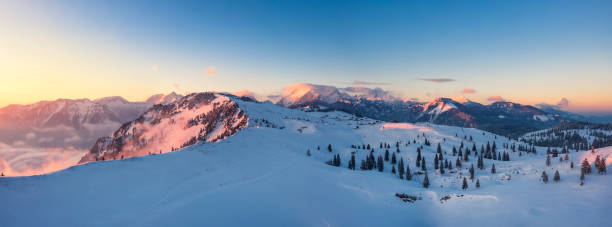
x,y
524,51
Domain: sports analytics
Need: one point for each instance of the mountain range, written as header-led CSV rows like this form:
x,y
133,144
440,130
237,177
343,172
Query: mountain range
x,y
505,118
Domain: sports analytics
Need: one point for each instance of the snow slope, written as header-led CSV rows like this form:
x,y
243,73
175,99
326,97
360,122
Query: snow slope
x,y
261,176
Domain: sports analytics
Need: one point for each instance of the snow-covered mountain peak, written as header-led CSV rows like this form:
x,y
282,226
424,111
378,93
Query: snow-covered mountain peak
x,y
166,127
164,99
440,105
302,93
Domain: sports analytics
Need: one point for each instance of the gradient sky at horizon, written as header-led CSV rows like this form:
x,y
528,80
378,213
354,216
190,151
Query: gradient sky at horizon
x,y
523,51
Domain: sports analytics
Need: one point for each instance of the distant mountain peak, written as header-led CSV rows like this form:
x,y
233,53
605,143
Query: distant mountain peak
x,y
164,99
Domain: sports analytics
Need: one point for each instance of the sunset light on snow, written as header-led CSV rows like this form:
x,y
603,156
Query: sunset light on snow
x,y
305,113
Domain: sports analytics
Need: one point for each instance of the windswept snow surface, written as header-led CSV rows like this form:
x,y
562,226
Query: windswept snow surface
x,y
262,177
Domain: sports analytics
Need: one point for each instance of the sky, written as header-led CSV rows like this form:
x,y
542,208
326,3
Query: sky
x,y
531,52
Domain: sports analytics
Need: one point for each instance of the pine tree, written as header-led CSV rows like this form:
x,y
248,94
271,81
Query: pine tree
x,y
477,183
441,169
544,177
393,169
439,149
436,162
393,159
548,160
353,161
426,181
472,172
329,148
380,164
586,167
557,178
308,153
363,165
493,168
465,184
572,165
400,168
386,154
423,167
458,163
408,173
581,178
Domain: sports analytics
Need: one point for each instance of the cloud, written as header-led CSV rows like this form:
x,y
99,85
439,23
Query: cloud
x,y
437,80
244,93
27,161
563,103
468,91
30,136
496,98
367,83
211,70
155,68
369,93
176,86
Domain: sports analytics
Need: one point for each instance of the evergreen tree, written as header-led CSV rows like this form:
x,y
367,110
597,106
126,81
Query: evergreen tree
x,y
472,172
393,169
477,183
386,155
548,160
393,159
441,169
556,178
586,167
544,177
581,178
572,165
439,149
408,173
423,167
308,153
426,181
380,164
465,184
458,163
363,165
329,148
436,162
493,168
400,168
